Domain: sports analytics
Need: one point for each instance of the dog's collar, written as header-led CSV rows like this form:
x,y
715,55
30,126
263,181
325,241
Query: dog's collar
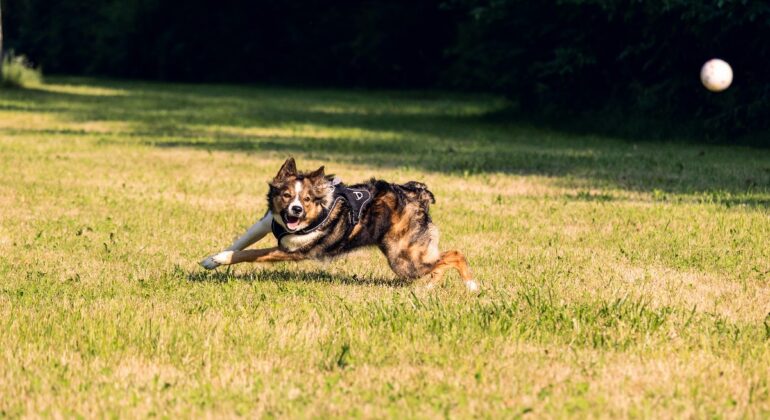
x,y
357,199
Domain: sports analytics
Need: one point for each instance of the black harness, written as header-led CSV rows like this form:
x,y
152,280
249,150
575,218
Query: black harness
x,y
357,199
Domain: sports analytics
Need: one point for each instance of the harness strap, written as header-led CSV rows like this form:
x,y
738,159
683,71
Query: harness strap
x,y
357,199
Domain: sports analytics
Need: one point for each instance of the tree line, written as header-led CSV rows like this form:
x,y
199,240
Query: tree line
x,y
559,58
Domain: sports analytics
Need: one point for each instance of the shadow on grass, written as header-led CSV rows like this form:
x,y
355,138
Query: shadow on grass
x,y
430,131
614,122
281,275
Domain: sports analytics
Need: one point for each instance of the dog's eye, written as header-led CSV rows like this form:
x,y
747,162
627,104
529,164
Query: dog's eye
x,y
307,199
286,195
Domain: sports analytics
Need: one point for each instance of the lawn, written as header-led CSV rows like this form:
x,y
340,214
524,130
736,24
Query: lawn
x,y
618,278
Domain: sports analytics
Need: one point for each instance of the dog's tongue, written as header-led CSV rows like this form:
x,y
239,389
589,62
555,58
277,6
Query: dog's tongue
x,y
292,222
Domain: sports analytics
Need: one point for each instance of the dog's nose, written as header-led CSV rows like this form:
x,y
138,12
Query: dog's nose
x,y
296,209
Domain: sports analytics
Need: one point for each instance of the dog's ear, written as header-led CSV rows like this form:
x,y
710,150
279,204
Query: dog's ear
x,y
288,169
318,173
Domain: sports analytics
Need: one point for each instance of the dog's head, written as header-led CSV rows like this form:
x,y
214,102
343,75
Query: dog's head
x,y
297,199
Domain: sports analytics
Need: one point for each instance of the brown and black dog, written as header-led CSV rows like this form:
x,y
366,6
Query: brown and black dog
x,y
314,217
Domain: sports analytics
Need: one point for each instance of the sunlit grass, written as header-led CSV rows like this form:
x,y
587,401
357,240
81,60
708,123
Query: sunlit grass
x,y
619,279
18,72
82,90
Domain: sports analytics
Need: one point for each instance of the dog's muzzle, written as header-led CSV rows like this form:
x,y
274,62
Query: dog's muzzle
x,y
296,211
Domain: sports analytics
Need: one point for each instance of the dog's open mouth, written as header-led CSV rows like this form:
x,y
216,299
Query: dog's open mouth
x,y
291,222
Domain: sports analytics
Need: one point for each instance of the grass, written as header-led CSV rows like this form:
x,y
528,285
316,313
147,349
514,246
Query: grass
x,y
619,278
18,72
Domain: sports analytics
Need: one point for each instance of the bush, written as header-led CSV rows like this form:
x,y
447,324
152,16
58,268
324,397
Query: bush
x,y
19,72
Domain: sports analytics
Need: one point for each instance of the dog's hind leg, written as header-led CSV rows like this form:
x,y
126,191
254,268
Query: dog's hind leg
x,y
416,254
456,260
252,235
435,263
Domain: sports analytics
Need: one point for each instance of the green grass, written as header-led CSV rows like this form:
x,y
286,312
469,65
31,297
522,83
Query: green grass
x,y
619,279
18,72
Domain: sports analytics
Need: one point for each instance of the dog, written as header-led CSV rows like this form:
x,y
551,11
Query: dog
x,y
314,216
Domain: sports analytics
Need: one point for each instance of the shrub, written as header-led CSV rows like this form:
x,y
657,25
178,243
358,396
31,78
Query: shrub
x,y
19,72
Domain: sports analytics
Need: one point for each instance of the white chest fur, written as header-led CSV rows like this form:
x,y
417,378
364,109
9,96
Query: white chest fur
x,y
293,242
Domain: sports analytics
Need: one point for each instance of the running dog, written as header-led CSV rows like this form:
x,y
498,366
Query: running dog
x,y
313,216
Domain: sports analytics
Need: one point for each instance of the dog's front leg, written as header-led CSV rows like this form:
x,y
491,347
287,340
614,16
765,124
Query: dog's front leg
x,y
252,235
256,255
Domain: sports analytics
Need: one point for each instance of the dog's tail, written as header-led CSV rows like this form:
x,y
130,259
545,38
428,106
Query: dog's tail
x,y
421,193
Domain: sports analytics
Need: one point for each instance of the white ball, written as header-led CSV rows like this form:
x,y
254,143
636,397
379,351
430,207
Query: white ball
x,y
716,75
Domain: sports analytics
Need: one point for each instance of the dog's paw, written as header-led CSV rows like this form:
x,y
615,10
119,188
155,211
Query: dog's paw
x,y
223,258
472,286
209,263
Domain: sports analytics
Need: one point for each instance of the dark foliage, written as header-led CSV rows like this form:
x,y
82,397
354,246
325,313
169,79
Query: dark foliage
x,y
383,43
639,59
558,58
